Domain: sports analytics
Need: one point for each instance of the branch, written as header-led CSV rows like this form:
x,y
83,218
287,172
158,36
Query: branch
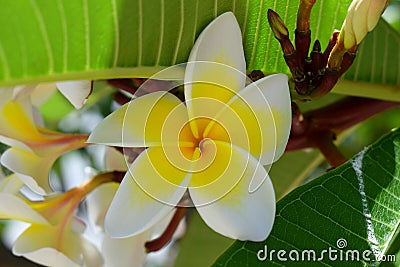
x,y
317,128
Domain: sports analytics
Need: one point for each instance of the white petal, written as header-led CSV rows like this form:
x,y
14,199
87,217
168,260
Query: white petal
x,y
47,257
257,181
160,227
22,91
115,160
216,67
78,225
149,191
28,163
125,251
31,183
12,207
91,255
360,19
375,11
42,93
140,122
6,94
11,184
265,111
98,203
76,92
14,143
238,214
257,119
56,246
220,42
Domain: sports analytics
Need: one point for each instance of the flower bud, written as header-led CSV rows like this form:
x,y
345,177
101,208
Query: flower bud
x,y
277,25
362,17
280,32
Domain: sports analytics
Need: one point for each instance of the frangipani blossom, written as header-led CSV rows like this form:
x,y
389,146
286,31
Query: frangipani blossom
x,y
33,148
19,128
214,145
54,235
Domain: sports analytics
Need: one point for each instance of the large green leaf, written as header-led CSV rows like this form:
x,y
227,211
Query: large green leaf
x,y
43,40
358,202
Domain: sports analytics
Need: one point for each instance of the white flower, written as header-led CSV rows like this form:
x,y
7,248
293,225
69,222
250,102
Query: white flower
x,y
214,145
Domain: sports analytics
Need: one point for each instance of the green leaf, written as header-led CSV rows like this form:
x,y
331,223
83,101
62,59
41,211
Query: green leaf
x,y
52,40
358,202
43,40
301,163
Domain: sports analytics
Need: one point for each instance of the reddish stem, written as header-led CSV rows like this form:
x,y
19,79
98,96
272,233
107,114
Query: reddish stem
x,y
160,242
127,85
333,118
121,99
347,112
324,142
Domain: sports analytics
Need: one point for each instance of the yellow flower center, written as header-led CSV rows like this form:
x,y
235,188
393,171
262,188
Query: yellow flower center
x,y
196,155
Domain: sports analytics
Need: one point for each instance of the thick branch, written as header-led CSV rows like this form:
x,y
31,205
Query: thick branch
x,y
334,118
324,142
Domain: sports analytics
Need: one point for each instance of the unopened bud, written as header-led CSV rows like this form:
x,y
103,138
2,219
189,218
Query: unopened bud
x,y
278,27
362,17
280,32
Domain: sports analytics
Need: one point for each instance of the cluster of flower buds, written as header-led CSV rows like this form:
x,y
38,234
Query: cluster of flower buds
x,y
316,74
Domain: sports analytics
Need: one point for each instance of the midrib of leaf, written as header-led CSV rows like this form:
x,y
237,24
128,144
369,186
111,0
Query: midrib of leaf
x,y
370,90
363,209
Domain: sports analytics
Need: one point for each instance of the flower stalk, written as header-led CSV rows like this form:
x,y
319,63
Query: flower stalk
x,y
302,32
51,206
166,236
318,128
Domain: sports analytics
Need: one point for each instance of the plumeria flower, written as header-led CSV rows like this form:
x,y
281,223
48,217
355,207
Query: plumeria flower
x,y
33,149
54,236
213,145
